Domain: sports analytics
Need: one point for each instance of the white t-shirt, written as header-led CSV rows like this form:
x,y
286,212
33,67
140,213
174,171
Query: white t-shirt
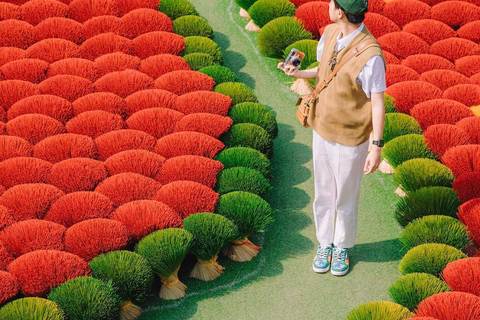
x,y
372,75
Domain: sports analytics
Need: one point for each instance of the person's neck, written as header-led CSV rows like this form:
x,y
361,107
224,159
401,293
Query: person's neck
x,y
347,28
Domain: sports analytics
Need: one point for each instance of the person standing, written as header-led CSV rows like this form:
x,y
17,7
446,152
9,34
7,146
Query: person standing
x,y
342,118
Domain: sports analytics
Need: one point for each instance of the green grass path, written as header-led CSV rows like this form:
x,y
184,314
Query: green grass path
x,y
279,283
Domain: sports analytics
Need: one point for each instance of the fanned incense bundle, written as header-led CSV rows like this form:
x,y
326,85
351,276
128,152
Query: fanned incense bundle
x,y
158,122
30,201
34,127
463,275
143,217
59,27
105,43
450,306
87,298
412,288
125,187
22,170
101,24
131,276
49,105
36,11
74,66
67,86
105,101
12,147
187,197
8,287
65,146
117,141
251,214
90,238
441,137
211,232
124,83
32,70
379,310
30,235
50,266
143,20
439,111
158,65
31,308
95,123
165,250
77,174
79,206
138,161
117,61
16,90
52,50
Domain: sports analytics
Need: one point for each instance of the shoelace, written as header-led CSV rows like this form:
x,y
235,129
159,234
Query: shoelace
x,y
322,252
339,255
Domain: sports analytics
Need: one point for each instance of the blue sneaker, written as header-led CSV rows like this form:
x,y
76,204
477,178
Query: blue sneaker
x,y
321,262
341,261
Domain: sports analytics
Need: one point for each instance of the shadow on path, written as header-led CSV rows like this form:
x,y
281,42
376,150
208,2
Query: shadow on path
x,y
233,60
382,251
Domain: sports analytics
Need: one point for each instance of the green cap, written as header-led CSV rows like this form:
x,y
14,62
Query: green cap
x,y
354,6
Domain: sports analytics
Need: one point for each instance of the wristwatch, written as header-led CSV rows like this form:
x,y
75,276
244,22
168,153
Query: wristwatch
x,y
379,143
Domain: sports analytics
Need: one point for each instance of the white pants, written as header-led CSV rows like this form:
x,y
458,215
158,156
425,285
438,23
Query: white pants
x,y
338,171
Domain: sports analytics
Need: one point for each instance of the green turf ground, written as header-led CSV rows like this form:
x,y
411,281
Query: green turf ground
x,y
279,283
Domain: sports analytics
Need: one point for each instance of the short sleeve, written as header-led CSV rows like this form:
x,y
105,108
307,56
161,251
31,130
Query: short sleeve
x,y
320,47
372,76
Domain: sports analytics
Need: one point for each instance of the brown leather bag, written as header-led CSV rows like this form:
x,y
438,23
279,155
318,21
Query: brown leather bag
x,y
304,103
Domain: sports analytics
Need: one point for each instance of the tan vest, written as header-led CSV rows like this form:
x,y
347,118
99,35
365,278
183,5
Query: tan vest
x,y
342,113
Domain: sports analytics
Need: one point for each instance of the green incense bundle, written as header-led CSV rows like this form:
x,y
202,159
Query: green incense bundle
x,y
250,213
130,274
31,309
413,288
211,232
165,250
86,298
379,310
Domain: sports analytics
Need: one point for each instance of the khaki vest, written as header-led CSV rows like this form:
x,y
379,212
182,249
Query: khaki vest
x,y
342,113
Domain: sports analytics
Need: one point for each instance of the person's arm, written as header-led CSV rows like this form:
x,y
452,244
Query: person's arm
x,y
374,84
297,74
378,115
378,123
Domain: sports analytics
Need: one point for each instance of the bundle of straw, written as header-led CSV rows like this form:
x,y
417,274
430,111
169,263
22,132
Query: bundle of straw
x,y
212,232
165,250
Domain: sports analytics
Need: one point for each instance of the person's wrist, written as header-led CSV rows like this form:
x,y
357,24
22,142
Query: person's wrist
x,y
298,74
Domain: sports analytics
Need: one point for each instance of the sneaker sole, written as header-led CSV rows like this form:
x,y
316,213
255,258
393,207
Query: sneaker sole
x,y
339,273
319,270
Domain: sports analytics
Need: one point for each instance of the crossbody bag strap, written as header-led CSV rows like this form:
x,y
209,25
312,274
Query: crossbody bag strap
x,y
352,53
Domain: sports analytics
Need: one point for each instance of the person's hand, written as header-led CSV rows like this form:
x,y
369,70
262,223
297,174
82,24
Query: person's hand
x,y
289,70
373,160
